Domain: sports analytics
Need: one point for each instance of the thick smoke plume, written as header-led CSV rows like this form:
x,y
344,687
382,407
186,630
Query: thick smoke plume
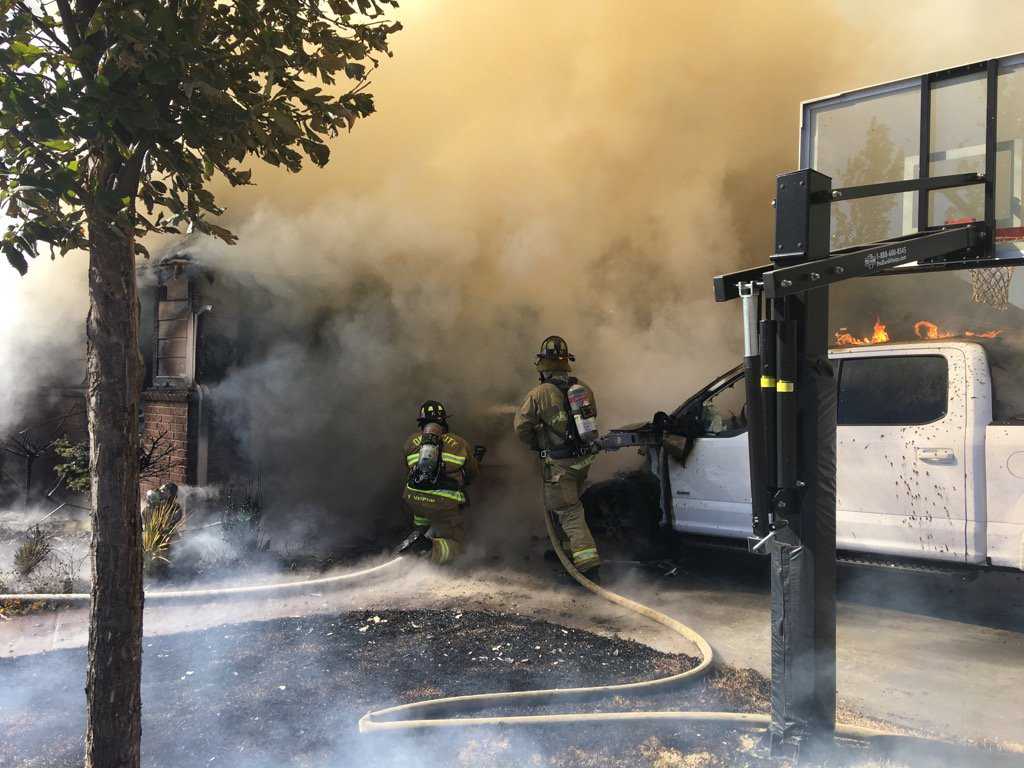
x,y
42,333
581,177
584,174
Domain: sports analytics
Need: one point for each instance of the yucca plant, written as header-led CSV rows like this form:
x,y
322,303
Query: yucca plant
x,y
161,525
32,551
242,517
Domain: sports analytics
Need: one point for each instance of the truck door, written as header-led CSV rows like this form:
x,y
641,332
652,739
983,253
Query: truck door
x,y
901,453
711,494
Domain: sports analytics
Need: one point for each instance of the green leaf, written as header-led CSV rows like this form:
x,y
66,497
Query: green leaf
x,y
26,54
45,128
200,88
95,23
320,153
285,124
15,258
60,145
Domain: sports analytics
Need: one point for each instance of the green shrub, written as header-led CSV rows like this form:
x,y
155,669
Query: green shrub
x,y
74,471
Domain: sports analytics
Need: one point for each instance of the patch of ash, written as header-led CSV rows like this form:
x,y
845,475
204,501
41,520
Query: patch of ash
x,y
289,692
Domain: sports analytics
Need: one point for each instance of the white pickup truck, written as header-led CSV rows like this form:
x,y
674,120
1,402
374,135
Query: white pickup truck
x,y
925,471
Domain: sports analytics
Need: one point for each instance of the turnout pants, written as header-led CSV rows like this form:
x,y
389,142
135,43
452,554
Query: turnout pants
x,y
444,516
563,485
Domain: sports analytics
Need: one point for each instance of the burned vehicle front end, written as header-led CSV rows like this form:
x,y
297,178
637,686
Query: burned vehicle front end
x,y
636,508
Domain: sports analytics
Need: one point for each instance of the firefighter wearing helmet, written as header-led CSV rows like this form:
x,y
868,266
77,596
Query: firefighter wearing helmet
x,y
439,466
558,420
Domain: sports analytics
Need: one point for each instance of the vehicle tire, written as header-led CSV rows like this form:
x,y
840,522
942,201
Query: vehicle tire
x,y
624,515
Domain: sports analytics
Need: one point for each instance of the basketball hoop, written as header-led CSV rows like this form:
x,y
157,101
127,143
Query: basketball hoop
x,y
991,286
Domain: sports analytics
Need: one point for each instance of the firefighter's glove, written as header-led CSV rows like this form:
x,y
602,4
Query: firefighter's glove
x,y
416,543
422,547
479,451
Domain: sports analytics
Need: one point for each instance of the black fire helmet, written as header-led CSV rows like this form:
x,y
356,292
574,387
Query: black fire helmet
x,y
433,411
554,355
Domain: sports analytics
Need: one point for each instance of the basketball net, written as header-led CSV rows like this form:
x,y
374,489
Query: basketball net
x,y
991,286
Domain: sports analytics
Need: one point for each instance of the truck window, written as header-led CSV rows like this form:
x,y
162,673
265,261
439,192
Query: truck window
x,y
724,413
893,390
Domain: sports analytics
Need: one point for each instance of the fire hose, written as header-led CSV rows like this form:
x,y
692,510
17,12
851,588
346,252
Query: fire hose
x,y
418,715
425,715
185,594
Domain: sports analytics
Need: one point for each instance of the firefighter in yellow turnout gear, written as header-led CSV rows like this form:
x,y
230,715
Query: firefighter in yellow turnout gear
x,y
440,465
544,423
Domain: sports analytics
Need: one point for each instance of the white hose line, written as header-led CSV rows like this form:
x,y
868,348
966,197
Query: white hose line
x,y
372,722
182,594
753,721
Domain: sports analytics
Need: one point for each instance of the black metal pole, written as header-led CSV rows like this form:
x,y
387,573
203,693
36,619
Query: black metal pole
x,y
769,331
991,135
817,504
749,295
924,155
786,473
803,550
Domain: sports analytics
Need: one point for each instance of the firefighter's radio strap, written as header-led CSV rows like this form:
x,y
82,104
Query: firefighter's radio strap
x,y
573,447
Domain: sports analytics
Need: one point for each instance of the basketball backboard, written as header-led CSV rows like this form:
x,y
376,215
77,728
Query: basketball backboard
x,y
875,135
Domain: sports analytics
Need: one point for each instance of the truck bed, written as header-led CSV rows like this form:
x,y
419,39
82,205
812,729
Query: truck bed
x,y
1004,500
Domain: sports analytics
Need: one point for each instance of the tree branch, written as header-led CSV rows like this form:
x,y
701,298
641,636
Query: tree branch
x,y
86,9
70,22
43,29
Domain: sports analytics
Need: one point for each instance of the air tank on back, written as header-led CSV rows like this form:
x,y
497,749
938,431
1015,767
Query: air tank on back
x,y
427,468
584,413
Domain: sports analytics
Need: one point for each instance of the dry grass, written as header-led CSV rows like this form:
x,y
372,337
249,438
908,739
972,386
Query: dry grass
x,y
32,551
849,716
742,689
491,750
661,756
422,693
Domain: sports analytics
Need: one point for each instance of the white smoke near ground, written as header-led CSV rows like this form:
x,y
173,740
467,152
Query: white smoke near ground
x,y
42,332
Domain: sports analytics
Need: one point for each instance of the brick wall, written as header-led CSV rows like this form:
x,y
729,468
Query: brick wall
x,y
168,412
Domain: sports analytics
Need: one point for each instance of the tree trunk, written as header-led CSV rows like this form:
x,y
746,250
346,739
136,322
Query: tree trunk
x,y
113,682
29,459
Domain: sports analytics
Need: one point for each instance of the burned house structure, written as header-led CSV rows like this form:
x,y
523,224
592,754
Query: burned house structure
x,y
285,380
185,350
186,347
300,382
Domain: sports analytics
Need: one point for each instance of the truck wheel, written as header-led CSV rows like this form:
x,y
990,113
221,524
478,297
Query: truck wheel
x,y
624,515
